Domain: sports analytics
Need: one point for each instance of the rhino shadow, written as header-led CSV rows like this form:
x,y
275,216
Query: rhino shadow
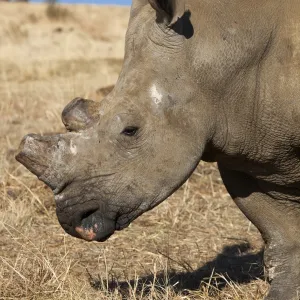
x,y
234,264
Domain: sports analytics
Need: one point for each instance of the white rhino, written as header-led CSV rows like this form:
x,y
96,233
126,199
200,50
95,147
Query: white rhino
x,y
201,79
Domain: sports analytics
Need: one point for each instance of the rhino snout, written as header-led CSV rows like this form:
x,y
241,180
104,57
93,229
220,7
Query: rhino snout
x,y
79,114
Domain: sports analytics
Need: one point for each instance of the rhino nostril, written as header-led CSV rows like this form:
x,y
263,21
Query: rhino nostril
x,y
93,225
86,214
79,114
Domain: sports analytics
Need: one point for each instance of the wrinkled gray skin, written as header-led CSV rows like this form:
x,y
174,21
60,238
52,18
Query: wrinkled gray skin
x,y
202,79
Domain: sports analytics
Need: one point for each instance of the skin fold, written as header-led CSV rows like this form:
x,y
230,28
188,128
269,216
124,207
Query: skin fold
x,y
211,80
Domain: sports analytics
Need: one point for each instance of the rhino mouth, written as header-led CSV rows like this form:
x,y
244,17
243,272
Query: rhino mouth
x,y
89,224
84,212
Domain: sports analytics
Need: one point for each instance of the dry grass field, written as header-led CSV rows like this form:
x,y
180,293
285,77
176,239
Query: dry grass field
x,y
195,245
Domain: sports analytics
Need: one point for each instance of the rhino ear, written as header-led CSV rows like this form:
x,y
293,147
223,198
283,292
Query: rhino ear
x,y
173,8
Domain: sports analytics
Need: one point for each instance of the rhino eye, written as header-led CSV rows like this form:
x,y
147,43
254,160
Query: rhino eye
x,y
130,130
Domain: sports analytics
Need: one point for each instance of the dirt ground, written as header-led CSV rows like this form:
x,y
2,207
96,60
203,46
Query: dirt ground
x,y
195,245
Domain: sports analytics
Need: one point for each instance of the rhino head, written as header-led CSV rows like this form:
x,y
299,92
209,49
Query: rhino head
x,y
124,155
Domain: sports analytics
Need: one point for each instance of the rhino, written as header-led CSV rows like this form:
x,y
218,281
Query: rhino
x,y
208,80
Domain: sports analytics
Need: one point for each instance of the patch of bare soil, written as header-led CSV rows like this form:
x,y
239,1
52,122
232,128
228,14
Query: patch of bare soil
x,y
195,245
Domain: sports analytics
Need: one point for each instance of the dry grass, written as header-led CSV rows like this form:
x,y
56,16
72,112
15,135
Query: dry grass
x,y
196,245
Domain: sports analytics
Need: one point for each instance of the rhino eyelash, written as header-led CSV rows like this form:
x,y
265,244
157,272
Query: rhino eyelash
x,y
130,130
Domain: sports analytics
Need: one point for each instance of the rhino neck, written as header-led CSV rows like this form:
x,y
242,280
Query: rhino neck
x,y
236,115
233,63
259,129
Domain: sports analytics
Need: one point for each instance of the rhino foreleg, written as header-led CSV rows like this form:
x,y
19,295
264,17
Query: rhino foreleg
x,y
279,224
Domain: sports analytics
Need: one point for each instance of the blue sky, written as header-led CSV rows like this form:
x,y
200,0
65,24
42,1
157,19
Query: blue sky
x,y
119,2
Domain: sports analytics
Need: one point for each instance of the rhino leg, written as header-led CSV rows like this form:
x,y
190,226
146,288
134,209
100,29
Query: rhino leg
x,y
279,224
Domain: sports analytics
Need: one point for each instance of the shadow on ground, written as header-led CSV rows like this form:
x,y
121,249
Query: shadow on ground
x,y
234,264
